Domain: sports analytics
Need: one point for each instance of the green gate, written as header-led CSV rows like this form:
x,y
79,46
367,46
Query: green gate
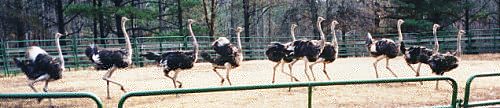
x,y
54,95
467,92
310,85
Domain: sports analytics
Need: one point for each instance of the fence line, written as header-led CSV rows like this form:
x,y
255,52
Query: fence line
x,y
351,45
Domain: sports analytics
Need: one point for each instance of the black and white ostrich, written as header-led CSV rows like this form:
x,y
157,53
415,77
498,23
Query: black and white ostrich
x,y
229,56
107,59
419,54
178,60
445,62
329,53
384,49
40,66
281,54
308,49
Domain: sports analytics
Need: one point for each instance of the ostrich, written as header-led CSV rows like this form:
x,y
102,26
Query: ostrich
x,y
107,59
384,49
329,53
310,49
230,57
419,54
279,53
445,62
178,60
40,66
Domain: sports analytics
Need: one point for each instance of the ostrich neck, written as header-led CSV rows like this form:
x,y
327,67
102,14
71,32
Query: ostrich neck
x,y
127,42
322,36
400,34
61,58
436,42
292,32
459,42
195,44
239,44
334,38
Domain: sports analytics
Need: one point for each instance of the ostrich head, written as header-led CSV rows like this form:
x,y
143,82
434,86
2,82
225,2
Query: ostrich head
x,y
239,30
435,27
461,32
294,26
58,35
335,22
400,21
321,19
125,19
191,21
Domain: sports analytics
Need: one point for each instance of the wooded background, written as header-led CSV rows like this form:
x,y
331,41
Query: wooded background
x,y
40,19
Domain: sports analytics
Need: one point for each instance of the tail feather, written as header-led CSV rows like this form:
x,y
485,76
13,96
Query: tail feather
x,y
206,56
90,51
24,67
402,48
152,56
369,39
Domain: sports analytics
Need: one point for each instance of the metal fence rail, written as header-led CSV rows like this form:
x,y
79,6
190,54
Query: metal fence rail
x,y
467,92
92,96
310,85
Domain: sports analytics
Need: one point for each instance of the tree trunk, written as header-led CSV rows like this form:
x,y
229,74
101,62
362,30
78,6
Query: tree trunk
x,y
101,23
179,17
94,23
313,9
213,16
160,17
60,20
246,16
118,20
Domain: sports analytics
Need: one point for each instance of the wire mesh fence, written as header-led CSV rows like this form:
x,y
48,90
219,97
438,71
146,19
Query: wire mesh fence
x,y
350,45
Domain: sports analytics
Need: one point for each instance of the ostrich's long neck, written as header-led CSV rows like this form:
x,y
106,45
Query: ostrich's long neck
x,y
239,44
61,58
334,39
292,32
195,44
436,42
459,43
322,36
400,34
127,42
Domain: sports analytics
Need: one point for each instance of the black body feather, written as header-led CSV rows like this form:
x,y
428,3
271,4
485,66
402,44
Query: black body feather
x,y
306,48
417,54
329,53
105,59
383,47
43,64
220,60
277,52
441,63
177,60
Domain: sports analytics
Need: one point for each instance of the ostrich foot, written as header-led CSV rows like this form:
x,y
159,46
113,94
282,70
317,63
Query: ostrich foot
x,y
221,82
123,89
39,100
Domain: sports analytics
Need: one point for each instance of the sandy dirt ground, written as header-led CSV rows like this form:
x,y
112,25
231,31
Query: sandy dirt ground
x,y
260,72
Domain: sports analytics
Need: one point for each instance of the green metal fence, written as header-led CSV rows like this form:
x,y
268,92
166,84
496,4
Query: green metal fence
x,y
351,45
92,96
310,85
466,103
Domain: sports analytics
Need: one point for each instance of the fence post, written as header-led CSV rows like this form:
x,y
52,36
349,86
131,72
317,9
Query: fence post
x,y
75,53
309,96
136,50
4,58
185,39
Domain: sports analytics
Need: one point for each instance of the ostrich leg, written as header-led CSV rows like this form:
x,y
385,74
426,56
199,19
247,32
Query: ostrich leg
x,y
324,71
321,60
44,77
107,78
274,70
375,64
220,76
174,79
305,69
418,72
228,70
389,68
45,89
